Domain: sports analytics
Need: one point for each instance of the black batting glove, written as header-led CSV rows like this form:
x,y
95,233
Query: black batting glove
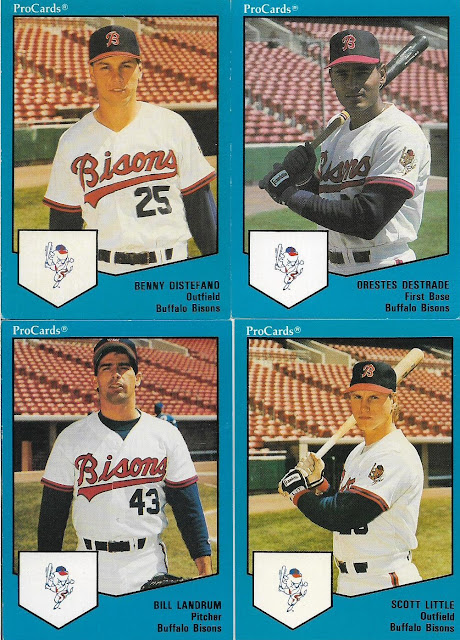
x,y
300,163
293,485
278,184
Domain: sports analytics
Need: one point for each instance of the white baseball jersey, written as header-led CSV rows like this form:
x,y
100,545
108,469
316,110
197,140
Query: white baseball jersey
x,y
129,184
389,149
390,473
119,485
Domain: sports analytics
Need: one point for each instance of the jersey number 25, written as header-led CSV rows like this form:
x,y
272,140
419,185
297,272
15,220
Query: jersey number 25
x,y
152,193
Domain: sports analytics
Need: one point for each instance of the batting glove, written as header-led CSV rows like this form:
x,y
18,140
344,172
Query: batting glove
x,y
293,485
300,163
312,468
278,184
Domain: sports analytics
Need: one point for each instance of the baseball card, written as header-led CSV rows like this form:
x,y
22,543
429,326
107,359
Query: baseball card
x,y
116,461
115,180
344,129
348,520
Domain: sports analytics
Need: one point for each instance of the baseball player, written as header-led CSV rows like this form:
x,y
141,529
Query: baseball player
x,y
373,170
159,406
293,586
60,583
119,467
131,170
374,514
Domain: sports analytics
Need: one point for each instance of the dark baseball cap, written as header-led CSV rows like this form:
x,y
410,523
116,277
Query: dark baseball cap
x,y
113,41
353,45
371,375
117,345
159,407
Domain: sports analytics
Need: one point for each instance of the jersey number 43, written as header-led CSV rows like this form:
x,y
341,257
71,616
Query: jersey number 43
x,y
151,503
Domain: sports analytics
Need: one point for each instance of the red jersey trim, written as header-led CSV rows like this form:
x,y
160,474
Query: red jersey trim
x,y
295,499
394,579
201,183
66,208
334,188
55,485
93,197
397,182
182,484
90,492
371,496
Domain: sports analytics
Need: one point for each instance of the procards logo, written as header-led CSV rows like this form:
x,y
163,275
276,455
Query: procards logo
x,y
58,582
270,331
38,8
36,330
268,9
288,262
59,261
293,585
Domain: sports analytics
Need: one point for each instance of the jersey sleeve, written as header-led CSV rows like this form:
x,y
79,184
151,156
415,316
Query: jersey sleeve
x,y
59,471
64,192
194,170
399,158
180,471
384,479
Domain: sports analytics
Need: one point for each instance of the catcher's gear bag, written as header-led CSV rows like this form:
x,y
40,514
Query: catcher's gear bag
x,y
161,580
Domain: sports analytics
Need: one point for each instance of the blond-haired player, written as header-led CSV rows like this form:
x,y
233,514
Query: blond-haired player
x,y
374,514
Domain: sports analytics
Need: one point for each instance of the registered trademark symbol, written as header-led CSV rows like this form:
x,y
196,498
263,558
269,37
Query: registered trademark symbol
x,y
64,328
65,7
297,329
295,7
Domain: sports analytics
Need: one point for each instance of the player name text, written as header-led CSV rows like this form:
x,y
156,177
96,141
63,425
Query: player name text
x,y
192,291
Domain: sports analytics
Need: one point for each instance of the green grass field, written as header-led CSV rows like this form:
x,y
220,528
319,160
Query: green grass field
x,y
27,508
291,531
431,241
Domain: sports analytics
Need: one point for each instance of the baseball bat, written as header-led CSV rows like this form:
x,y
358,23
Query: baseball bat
x,y
397,64
402,369
282,573
47,251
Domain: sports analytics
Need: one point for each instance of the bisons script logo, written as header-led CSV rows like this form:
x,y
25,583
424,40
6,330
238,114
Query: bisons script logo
x,y
368,371
128,472
349,483
349,42
158,165
347,173
113,37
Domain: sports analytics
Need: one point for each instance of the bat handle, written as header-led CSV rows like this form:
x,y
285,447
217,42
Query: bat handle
x,y
327,446
335,124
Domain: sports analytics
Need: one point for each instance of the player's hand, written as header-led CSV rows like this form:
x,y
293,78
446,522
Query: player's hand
x,y
278,184
312,468
300,163
293,485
